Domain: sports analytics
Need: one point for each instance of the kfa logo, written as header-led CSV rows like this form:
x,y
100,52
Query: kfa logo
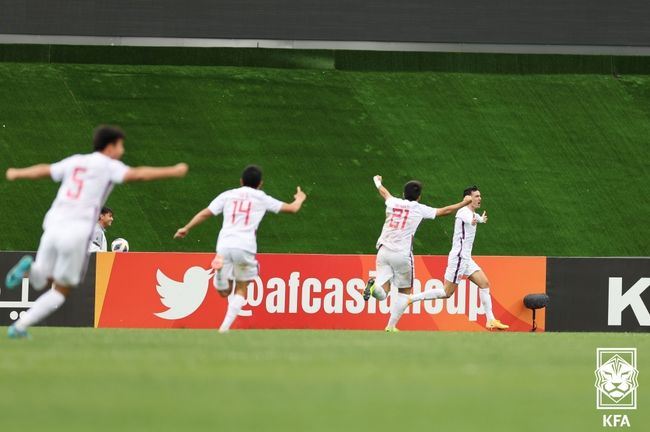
x,y
616,383
618,301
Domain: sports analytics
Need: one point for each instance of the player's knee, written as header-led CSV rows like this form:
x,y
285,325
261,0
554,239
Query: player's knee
x,y
63,290
449,291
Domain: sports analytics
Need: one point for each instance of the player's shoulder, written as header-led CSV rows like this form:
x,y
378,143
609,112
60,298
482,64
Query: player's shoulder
x,y
394,201
462,211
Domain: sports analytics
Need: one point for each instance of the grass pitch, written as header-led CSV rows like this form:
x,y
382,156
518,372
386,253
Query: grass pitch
x,y
119,380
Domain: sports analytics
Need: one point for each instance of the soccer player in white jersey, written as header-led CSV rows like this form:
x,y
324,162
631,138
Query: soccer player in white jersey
x,y
460,262
243,209
98,241
395,246
62,257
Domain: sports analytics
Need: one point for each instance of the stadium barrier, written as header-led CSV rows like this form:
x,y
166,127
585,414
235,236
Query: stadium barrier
x,y
173,290
78,310
598,294
167,290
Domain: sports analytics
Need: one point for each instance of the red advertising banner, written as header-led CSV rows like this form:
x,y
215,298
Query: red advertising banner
x,y
172,290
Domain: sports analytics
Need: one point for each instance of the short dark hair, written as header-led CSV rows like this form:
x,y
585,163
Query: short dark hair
x,y
105,136
468,191
106,210
412,190
252,176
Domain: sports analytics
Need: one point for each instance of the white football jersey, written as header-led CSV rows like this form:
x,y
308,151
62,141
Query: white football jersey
x,y
464,233
243,209
402,220
86,181
98,241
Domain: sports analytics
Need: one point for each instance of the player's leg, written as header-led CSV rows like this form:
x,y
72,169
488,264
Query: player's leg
x,y
70,259
479,277
452,278
379,286
18,272
224,277
38,270
43,307
404,274
245,269
455,270
435,293
236,302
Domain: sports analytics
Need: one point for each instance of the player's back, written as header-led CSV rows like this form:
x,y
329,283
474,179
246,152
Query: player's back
x,y
402,220
243,209
86,181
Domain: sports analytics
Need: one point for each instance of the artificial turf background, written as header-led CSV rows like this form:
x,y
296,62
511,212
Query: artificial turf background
x,y
561,158
160,380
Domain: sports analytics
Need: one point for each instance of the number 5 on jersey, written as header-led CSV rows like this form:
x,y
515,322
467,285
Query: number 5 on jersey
x,y
244,208
75,192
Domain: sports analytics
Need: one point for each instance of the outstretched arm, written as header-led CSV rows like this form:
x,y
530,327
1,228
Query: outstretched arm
x,y
200,217
32,172
380,188
145,173
444,211
298,199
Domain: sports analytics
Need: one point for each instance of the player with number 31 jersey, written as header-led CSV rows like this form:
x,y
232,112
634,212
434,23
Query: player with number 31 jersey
x,y
243,209
394,247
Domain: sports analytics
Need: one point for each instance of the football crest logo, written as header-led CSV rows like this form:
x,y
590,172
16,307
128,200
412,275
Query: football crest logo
x,y
616,378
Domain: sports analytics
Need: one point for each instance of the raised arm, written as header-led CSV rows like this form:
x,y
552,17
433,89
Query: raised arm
x,y
380,188
444,211
200,217
298,199
32,172
145,173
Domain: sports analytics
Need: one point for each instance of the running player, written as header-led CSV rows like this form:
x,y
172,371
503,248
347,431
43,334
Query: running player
x,y
243,209
460,262
62,257
98,241
395,244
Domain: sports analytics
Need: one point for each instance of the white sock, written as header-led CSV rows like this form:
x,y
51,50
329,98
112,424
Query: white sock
x,y
397,307
379,293
235,303
43,307
429,295
486,301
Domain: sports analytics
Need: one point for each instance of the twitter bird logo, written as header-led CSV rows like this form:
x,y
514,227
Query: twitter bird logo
x,y
183,298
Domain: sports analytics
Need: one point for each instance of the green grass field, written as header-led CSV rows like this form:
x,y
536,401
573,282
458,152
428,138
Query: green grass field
x,y
70,379
561,158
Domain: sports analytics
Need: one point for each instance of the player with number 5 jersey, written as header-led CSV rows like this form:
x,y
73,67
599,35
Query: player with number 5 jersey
x,y
243,209
86,181
395,244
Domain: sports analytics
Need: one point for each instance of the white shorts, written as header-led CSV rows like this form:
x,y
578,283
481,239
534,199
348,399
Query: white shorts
x,y
394,267
238,265
458,267
62,256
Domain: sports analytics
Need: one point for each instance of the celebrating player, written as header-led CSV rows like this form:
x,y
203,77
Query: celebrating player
x,y
62,257
243,209
98,241
460,262
395,256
